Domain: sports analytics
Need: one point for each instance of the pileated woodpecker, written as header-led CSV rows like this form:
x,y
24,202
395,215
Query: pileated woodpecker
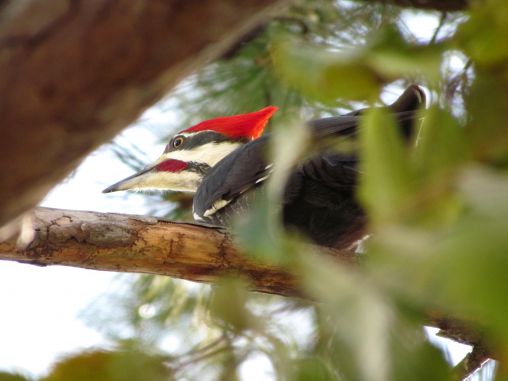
x,y
223,160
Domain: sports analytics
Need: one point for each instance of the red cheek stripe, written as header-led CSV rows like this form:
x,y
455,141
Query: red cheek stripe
x,y
172,165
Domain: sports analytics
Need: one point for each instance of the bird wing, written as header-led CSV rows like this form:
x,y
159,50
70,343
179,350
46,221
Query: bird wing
x,y
336,172
237,173
403,109
247,167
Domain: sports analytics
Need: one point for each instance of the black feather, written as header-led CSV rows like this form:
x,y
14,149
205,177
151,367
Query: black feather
x,y
319,196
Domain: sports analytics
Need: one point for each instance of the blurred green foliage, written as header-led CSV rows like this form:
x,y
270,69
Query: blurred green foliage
x,y
110,366
355,73
438,209
388,180
4,376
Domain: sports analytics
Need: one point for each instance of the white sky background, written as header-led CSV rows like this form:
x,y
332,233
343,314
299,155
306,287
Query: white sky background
x,y
40,306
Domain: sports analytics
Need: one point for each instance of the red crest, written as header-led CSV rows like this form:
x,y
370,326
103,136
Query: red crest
x,y
250,125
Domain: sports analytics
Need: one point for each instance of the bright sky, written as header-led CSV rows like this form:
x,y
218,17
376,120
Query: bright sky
x,y
40,306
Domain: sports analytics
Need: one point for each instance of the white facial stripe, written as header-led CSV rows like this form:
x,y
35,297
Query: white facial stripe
x,y
209,153
184,181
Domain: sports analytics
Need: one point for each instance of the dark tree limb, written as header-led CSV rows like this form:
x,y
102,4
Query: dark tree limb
x,y
73,73
472,362
437,5
462,332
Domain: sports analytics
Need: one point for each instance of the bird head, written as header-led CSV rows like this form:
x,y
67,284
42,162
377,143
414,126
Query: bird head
x,y
192,152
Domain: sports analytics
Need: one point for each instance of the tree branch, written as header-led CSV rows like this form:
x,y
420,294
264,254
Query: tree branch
x,y
472,363
127,243
437,5
73,73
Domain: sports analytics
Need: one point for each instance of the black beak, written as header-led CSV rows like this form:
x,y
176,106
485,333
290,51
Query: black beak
x,y
129,182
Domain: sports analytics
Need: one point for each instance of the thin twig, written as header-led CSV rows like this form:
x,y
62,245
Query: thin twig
x,y
197,350
442,21
203,356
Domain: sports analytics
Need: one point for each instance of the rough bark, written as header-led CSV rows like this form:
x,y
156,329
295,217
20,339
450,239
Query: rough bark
x,y
438,5
73,73
128,243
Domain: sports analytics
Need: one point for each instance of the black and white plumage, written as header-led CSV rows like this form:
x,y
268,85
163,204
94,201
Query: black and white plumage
x,y
223,160
319,196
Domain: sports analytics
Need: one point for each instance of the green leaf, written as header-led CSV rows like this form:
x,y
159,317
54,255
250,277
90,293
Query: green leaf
x,y
259,232
488,104
386,182
484,35
323,74
354,73
393,57
485,191
441,148
470,267
110,366
364,336
4,376
459,271
441,145
312,369
228,304
357,318
419,362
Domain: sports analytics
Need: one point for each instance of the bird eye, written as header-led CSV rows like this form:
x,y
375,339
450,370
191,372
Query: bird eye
x,y
178,141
